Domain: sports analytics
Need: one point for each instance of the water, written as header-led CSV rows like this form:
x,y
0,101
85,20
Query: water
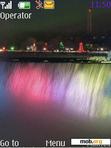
x,y
41,101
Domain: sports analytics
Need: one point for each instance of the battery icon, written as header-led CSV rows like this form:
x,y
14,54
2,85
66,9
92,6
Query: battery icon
x,y
24,5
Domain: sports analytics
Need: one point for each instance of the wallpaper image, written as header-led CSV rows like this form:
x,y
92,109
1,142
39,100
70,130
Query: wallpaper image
x,y
54,99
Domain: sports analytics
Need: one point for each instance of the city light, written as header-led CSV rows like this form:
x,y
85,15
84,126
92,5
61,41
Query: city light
x,y
44,49
3,48
81,47
12,48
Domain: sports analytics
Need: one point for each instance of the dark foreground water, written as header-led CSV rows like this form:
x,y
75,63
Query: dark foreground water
x,y
54,101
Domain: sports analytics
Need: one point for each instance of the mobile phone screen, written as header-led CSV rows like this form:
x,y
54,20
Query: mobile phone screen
x,y
55,73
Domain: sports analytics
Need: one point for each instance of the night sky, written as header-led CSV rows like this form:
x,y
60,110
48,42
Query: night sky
x,y
68,17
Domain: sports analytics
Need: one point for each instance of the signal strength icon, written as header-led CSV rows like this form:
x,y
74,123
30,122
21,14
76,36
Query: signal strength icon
x,y
6,6
9,5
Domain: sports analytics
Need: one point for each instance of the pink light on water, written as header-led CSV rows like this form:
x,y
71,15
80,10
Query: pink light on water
x,y
30,82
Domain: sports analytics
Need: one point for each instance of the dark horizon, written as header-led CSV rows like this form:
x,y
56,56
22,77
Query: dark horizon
x,y
67,18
